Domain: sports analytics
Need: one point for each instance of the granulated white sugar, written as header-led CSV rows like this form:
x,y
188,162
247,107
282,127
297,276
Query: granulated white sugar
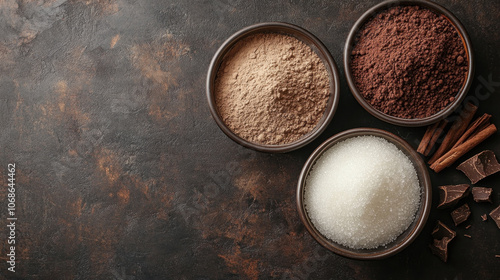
x,y
362,192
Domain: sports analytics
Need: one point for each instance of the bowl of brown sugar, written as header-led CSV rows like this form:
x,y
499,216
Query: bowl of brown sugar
x,y
272,87
409,63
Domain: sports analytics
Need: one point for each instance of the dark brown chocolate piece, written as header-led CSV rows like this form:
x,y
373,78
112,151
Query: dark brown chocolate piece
x,y
480,166
481,194
450,195
495,215
440,248
442,236
441,230
461,214
484,217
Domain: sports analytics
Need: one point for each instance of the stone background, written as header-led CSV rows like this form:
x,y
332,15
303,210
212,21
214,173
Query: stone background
x,y
123,174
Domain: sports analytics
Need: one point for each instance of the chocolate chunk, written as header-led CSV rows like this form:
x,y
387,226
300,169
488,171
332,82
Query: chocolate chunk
x,y
480,166
442,236
484,217
481,194
449,195
440,248
461,214
495,215
441,230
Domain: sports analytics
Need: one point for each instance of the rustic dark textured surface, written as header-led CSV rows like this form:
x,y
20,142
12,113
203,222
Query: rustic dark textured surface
x,y
123,174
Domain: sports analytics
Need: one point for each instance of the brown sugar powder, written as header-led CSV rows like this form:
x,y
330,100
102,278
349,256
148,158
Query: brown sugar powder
x,y
271,89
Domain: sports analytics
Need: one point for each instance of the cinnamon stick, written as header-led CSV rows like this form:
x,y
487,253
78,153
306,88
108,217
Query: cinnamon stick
x,y
437,133
451,156
422,147
480,128
478,125
456,130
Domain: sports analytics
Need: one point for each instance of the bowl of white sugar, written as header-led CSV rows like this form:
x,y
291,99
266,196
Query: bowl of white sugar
x,y
364,194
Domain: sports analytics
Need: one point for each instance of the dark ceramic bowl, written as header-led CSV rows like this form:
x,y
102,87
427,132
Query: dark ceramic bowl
x,y
300,34
408,236
459,97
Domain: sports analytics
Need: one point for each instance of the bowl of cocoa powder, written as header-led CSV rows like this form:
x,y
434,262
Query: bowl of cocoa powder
x,y
273,87
409,63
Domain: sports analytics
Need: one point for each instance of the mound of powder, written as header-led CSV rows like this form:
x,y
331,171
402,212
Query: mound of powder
x,y
409,62
362,192
271,89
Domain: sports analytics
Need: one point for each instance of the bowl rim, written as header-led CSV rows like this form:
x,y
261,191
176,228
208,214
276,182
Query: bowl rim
x,y
460,96
421,216
315,44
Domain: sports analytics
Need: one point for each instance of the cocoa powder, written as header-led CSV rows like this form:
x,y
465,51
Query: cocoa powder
x,y
271,89
409,62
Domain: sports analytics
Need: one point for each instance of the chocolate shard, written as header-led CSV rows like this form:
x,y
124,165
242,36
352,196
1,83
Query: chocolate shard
x,y
450,195
442,236
481,194
484,217
440,248
480,166
461,214
495,215
441,230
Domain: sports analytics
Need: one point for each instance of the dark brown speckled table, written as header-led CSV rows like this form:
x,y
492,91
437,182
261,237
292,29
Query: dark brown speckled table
x,y
122,173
